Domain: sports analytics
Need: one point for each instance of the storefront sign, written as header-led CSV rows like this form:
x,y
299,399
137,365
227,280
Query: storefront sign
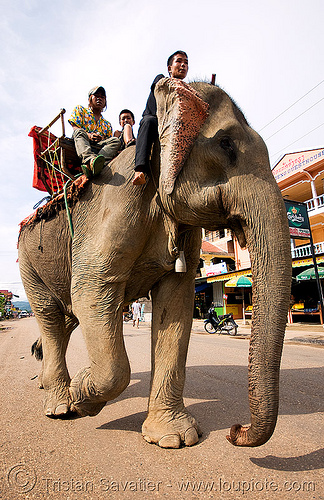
x,y
227,276
295,162
215,269
297,219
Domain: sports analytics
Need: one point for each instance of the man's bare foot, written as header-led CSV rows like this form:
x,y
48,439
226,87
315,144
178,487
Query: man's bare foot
x,y
132,142
139,179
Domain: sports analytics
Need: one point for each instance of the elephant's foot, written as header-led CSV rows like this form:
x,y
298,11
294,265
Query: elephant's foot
x,y
84,398
57,401
171,428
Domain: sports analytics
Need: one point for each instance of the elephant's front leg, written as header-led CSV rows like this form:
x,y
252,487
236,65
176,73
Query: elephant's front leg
x,y
100,315
168,423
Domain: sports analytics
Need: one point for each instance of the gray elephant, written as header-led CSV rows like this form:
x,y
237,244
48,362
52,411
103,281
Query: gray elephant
x,y
209,169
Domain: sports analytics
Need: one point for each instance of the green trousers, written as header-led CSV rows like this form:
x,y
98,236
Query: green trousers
x,y
85,150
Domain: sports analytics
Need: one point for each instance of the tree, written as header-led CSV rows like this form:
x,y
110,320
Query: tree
x,y
3,300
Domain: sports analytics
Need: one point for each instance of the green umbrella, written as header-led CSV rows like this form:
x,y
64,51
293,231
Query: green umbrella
x,y
309,274
240,282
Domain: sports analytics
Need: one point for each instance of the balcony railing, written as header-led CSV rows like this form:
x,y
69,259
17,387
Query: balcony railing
x,y
305,250
315,203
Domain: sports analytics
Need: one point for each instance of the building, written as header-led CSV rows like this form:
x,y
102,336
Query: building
x,y
5,304
300,177
215,260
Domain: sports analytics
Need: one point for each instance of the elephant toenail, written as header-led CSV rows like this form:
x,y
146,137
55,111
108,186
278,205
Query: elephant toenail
x,y
61,409
191,436
170,441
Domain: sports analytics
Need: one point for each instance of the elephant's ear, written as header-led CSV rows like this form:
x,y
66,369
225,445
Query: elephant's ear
x,y
181,113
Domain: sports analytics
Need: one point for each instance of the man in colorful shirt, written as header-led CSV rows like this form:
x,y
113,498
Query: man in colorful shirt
x,y
91,129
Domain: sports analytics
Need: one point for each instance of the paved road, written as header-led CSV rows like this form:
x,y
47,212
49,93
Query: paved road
x,y
105,456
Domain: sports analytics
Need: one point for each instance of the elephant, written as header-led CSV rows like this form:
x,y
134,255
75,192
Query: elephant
x,y
209,169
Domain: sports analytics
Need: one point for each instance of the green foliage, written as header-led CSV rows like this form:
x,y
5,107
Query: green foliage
x,y
2,304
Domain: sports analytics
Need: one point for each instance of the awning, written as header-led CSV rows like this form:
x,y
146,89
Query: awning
x,y
200,288
228,276
308,261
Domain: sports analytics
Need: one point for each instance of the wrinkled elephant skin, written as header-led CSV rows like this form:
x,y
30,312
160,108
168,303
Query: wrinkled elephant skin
x,y
125,243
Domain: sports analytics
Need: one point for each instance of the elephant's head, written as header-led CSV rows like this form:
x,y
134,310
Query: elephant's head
x,y
225,181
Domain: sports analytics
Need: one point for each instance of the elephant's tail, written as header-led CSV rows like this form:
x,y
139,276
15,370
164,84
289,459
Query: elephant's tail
x,y
37,349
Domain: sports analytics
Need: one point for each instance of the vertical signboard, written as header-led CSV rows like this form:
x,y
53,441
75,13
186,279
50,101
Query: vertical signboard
x,y
299,227
297,219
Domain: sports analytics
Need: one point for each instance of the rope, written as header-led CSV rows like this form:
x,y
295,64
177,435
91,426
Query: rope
x,y
68,213
54,172
165,216
40,246
53,156
163,212
50,163
57,169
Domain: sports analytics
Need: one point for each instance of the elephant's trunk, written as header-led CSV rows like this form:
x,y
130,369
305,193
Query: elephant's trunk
x,y
268,241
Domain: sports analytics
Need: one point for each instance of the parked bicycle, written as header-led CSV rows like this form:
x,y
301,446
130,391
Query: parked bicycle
x,y
220,324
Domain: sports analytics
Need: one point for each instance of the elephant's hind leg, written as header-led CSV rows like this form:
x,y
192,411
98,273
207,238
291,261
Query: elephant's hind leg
x,y
37,347
55,376
56,329
100,316
168,423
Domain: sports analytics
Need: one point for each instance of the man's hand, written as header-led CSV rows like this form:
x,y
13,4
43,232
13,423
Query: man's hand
x,y
95,137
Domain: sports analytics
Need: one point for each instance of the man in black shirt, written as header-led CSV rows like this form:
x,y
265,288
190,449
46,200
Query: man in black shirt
x,y
148,129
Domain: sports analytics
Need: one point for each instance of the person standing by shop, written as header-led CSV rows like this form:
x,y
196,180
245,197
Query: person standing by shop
x,y
136,310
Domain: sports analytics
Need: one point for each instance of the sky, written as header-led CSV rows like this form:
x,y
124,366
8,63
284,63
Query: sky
x,y
267,54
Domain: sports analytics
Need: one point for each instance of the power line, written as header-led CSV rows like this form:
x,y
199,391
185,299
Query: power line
x,y
292,105
302,137
301,114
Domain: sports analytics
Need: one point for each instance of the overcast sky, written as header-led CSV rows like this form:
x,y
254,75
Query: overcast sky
x,y
266,55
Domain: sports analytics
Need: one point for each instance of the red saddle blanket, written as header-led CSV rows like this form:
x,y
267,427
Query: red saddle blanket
x,y
50,174
45,178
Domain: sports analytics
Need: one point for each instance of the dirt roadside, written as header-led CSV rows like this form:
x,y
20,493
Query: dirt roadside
x,y
105,457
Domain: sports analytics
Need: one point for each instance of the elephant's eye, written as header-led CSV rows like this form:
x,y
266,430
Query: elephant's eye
x,y
227,144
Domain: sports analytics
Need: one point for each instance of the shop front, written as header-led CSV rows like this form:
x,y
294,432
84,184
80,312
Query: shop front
x,y
203,299
230,300
304,293
208,292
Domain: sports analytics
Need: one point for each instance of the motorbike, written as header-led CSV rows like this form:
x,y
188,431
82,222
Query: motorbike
x,y
127,316
220,324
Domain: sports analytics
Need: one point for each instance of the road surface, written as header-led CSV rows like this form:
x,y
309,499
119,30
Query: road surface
x,y
105,457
